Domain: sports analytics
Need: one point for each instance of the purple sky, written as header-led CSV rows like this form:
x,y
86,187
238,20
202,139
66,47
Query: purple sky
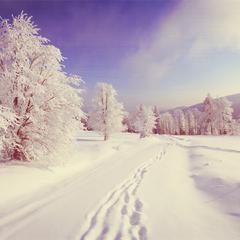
x,y
138,46
95,36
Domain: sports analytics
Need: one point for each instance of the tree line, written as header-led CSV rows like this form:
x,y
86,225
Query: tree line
x,y
108,116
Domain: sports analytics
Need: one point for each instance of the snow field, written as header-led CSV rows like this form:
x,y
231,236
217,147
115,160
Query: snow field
x,y
67,204
163,187
176,209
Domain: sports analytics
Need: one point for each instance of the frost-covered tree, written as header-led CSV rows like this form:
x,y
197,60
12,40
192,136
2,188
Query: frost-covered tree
x,y
236,127
167,124
180,122
198,120
209,126
224,119
190,122
37,91
156,112
188,119
107,113
130,122
144,121
125,122
217,116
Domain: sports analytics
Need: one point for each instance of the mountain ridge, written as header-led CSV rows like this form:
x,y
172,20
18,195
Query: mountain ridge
x,y
234,99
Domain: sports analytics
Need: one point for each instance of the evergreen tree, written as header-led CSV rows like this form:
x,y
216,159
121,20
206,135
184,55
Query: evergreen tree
x,y
208,125
156,129
224,116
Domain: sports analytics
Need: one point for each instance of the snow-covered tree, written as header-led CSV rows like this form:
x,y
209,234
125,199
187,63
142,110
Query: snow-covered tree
x,y
130,122
125,122
198,120
180,122
107,113
190,122
37,91
187,116
208,126
167,124
156,112
236,127
224,119
144,121
217,116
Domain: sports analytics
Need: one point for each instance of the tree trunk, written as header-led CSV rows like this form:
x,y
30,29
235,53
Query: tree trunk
x,y
106,137
143,135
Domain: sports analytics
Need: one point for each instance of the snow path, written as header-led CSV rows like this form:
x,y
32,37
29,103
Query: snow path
x,y
119,216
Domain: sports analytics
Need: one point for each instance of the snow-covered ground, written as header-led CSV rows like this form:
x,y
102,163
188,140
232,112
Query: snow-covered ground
x,y
160,187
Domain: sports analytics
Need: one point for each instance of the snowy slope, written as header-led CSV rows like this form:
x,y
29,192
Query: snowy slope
x,y
128,188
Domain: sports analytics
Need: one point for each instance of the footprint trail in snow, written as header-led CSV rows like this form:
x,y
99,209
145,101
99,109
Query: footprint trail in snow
x,y
120,216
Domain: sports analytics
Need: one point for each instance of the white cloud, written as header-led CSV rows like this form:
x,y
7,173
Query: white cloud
x,y
194,28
